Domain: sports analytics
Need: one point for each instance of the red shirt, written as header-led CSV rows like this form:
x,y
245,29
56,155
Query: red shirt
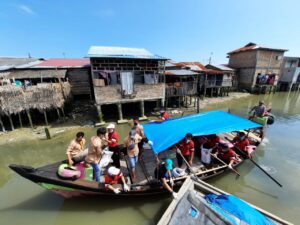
x,y
213,141
113,179
241,144
230,155
186,148
113,135
165,116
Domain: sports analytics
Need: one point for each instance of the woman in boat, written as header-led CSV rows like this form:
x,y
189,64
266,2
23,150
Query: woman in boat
x,y
227,154
131,144
241,142
164,172
186,149
75,152
113,177
95,151
112,140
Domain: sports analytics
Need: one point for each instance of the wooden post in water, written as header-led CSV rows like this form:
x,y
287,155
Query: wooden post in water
x,y
29,118
63,112
198,104
100,114
58,113
45,116
142,107
11,123
20,120
120,111
47,133
2,125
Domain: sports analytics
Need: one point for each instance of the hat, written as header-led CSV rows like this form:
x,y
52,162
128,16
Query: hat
x,y
113,171
223,145
111,126
169,164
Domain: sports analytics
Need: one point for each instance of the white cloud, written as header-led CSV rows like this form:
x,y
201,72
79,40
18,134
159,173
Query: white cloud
x,y
26,9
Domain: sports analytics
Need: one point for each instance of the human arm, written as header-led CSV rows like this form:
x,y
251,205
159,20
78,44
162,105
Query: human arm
x,y
192,157
166,185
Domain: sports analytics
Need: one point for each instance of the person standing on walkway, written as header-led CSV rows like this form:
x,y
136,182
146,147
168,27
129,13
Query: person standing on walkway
x,y
113,138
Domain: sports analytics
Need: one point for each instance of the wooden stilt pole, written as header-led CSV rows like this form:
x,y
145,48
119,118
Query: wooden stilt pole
x,y
2,125
11,123
120,111
58,113
63,113
100,115
20,120
45,116
142,107
29,118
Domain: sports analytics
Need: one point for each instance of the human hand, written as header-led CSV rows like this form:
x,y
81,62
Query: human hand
x,y
175,195
150,143
71,162
171,182
117,190
126,188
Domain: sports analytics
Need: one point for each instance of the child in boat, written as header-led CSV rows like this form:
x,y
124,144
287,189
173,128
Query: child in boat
x,y
95,151
113,177
75,152
164,172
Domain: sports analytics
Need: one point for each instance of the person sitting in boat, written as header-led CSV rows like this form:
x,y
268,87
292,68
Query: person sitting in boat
x,y
113,177
241,142
131,144
259,110
212,141
164,172
226,154
95,151
75,152
185,148
164,115
112,141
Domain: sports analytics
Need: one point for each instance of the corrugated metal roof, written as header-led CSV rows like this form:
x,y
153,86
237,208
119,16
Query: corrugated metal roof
x,y
221,67
198,67
121,52
181,72
63,63
253,46
7,63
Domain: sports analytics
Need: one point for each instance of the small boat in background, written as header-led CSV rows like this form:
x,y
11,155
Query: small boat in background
x,y
203,204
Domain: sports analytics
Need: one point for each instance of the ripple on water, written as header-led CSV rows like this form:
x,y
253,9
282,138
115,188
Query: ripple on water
x,y
269,169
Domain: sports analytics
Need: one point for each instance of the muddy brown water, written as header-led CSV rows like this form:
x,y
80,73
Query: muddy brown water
x,y
23,202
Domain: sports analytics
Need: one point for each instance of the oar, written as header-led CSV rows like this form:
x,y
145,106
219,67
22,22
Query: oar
x,y
234,170
245,156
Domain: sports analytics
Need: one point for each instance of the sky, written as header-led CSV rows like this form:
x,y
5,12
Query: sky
x,y
181,30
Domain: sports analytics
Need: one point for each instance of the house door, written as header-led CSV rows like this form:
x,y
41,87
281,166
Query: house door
x,y
127,83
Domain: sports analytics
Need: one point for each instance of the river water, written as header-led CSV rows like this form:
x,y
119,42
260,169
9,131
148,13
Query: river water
x,y
25,203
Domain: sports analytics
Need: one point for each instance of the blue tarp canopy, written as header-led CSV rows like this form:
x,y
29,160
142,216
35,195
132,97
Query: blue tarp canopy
x,y
229,205
167,133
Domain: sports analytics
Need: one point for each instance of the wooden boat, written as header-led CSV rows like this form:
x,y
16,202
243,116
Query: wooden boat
x,y
145,183
193,206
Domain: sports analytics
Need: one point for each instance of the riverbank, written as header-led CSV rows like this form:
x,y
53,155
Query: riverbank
x,y
70,124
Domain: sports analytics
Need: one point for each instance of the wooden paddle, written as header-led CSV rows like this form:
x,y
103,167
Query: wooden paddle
x,y
245,156
234,170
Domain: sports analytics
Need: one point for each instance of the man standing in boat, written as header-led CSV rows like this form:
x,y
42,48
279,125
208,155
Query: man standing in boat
x,y
185,148
75,152
95,151
131,144
112,140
